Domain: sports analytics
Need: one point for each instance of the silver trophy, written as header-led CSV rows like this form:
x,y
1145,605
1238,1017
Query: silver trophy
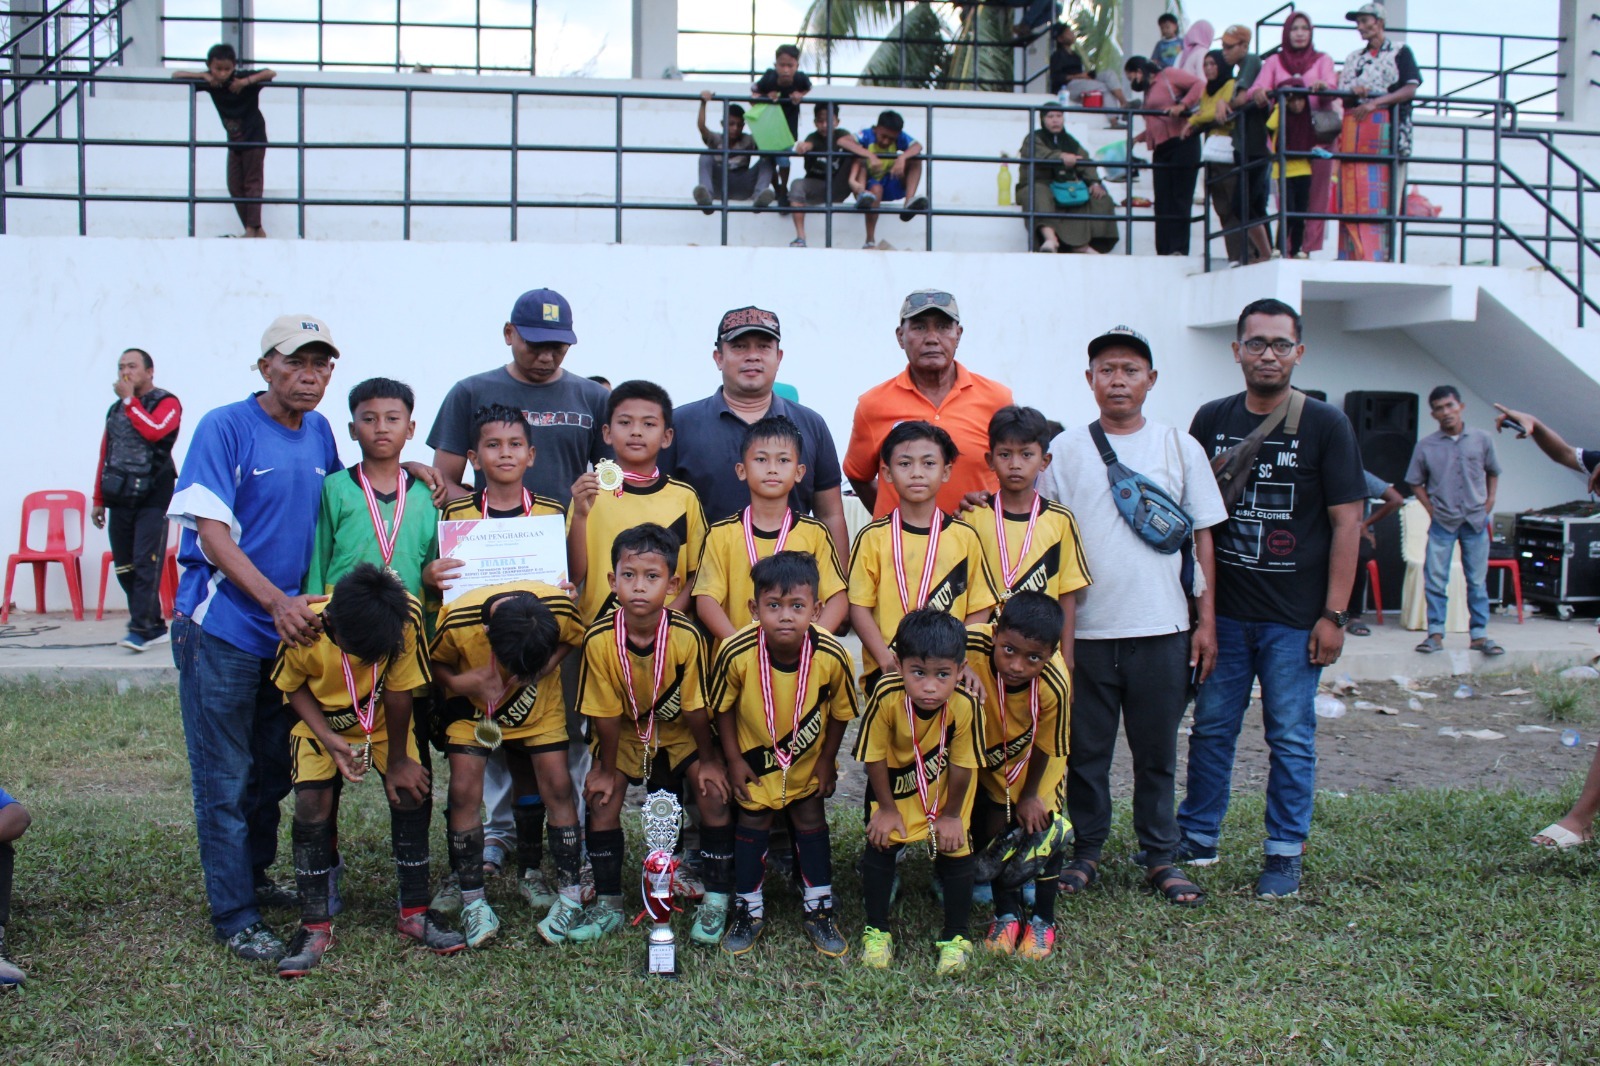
x,y
663,817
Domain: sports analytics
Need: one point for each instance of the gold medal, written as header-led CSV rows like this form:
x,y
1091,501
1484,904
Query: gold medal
x,y
609,475
362,755
487,733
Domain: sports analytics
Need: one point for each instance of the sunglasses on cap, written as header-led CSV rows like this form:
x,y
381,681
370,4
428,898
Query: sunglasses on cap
x,y
919,300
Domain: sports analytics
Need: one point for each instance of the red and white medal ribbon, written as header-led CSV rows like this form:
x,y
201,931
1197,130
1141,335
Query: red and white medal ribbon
x,y
750,534
1008,573
628,476
896,533
483,503
931,812
366,719
386,540
1014,772
658,654
769,702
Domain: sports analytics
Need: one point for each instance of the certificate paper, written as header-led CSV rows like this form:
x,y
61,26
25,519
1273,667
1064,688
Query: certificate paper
x,y
498,550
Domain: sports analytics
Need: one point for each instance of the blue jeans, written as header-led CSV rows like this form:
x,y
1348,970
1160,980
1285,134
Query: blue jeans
x,y
1474,564
237,731
1277,655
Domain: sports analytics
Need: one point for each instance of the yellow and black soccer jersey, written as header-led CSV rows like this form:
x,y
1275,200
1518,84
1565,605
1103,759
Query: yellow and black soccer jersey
x,y
462,643
735,689
962,584
885,736
724,571
320,668
602,689
1054,564
468,507
1008,731
667,502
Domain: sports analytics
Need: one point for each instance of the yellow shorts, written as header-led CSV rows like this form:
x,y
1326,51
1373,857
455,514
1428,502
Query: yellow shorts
x,y
312,766
916,823
1051,790
675,744
540,732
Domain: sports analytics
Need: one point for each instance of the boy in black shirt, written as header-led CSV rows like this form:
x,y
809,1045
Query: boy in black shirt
x,y
787,86
827,180
237,94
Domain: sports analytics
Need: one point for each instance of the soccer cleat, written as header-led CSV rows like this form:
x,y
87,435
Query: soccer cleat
x,y
256,943
687,884
1280,877
1003,933
271,894
564,914
600,919
306,948
744,929
1192,853
534,887
1038,939
710,919
428,929
825,936
877,948
10,972
448,899
480,923
953,954
586,883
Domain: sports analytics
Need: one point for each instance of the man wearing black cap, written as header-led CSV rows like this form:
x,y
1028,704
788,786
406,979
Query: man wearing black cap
x,y
1134,651
565,410
708,432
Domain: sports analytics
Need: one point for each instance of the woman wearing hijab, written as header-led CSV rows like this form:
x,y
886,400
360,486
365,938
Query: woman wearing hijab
x,y
1081,226
1298,58
1196,43
1213,118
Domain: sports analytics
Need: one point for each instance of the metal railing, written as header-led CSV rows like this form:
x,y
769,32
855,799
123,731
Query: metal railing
x,y
74,36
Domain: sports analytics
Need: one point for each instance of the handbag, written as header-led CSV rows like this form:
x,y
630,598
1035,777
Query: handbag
x,y
1234,465
1070,193
1326,124
1218,149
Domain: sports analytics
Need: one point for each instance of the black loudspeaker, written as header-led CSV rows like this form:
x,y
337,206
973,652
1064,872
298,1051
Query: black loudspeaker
x,y
1316,394
1386,432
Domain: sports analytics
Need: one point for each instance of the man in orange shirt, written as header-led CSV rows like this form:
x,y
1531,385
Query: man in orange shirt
x,y
933,388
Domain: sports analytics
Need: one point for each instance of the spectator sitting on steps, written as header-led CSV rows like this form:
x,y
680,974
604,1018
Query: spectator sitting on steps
x,y
741,181
892,173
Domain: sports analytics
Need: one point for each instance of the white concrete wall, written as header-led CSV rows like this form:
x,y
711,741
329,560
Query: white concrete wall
x,y
430,313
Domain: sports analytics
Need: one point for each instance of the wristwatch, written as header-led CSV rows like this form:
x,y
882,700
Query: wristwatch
x,y
1338,618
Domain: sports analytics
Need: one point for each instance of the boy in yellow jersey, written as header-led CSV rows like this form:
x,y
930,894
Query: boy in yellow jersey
x,y
502,452
1030,543
351,690
1026,707
640,684
638,425
494,652
916,556
922,742
723,591
782,691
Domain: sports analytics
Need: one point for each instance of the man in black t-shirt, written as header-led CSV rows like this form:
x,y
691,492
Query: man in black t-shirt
x,y
827,177
787,85
1285,563
237,94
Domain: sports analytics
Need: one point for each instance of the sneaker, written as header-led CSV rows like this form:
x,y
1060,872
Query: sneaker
x,y
535,887
764,199
866,202
565,913
306,948
448,899
710,919
428,929
271,894
1280,877
744,929
256,943
134,642
702,196
586,883
913,208
10,972
1038,939
953,954
1191,853
480,923
825,936
158,639
1003,934
335,899
877,948
600,919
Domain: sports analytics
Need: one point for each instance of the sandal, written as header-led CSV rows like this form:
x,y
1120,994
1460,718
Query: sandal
x,y
1487,646
1077,876
1560,838
1170,882
1358,629
1434,643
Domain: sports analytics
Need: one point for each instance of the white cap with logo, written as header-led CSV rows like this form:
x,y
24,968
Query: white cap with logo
x,y
289,333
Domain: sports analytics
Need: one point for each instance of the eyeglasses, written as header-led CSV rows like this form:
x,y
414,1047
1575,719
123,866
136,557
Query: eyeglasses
x,y
1257,345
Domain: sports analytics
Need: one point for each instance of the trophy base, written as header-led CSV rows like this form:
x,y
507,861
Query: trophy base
x,y
661,959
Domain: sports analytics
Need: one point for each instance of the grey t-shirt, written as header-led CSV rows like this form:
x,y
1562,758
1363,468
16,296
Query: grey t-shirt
x,y
1454,471
1137,591
566,415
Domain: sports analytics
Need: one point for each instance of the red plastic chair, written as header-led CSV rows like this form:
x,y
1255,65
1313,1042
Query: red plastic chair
x,y
55,504
1377,589
1510,565
169,582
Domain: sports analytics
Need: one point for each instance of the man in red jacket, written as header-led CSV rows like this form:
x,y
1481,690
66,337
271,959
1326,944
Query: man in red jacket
x,y
134,479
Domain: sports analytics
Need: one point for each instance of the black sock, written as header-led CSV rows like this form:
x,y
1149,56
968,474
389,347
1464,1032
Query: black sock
x,y
1007,900
408,834
877,883
313,858
749,858
1047,886
956,873
528,813
567,854
466,857
7,857
716,857
605,855
814,850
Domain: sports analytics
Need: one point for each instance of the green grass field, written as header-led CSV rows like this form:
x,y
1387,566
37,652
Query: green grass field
x,y
1428,931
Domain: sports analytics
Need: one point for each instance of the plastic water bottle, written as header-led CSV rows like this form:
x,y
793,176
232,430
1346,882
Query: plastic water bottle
x,y
1004,198
1570,738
